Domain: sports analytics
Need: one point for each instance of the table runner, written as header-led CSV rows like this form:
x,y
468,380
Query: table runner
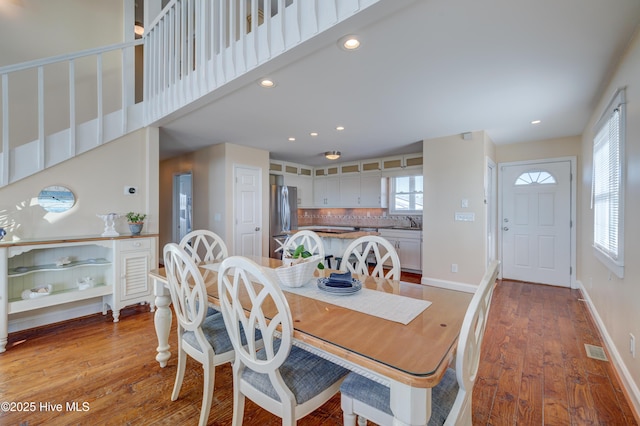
x,y
389,306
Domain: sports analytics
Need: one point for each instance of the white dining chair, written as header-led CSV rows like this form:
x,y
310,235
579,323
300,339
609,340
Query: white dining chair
x,y
203,245
203,337
284,379
356,257
451,398
312,243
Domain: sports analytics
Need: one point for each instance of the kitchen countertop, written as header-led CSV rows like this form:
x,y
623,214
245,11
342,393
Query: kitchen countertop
x,y
343,234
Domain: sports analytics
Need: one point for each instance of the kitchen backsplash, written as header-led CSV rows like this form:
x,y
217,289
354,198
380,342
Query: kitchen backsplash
x,y
354,217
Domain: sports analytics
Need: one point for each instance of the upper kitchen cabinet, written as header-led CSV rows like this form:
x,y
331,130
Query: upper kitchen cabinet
x,y
400,162
301,177
326,191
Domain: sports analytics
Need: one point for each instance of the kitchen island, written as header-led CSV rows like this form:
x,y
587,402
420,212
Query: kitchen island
x,y
335,239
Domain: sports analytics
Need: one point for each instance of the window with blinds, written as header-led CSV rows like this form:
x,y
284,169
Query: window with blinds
x,y
607,194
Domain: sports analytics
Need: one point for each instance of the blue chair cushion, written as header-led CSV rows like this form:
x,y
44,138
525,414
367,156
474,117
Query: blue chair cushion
x,y
216,334
306,374
378,396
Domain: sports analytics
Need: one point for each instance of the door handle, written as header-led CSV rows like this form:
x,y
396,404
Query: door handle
x,y
506,228
257,228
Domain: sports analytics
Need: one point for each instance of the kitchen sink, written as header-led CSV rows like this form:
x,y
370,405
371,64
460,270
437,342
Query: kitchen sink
x,y
409,228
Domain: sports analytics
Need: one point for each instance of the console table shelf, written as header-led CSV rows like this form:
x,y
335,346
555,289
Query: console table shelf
x,y
118,267
58,297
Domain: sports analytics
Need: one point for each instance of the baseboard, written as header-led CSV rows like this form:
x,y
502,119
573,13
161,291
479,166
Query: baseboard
x,y
450,285
630,386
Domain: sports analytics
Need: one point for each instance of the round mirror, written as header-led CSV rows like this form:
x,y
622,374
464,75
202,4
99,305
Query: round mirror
x,y
56,199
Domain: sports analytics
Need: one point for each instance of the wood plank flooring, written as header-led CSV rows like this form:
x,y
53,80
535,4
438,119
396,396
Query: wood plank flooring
x,y
534,371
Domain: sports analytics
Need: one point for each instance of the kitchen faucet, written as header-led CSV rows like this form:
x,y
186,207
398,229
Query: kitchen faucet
x,y
412,222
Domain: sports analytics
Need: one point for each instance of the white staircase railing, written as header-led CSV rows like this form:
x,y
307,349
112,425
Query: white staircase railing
x,y
67,123
196,46
192,48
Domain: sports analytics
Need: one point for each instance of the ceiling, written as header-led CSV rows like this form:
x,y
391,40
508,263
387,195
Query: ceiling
x,y
431,68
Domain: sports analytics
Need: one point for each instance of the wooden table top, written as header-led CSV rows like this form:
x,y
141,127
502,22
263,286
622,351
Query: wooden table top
x,y
416,354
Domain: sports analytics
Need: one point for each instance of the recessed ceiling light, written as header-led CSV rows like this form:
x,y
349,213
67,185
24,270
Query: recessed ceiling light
x,y
314,133
265,82
340,128
349,42
292,139
536,122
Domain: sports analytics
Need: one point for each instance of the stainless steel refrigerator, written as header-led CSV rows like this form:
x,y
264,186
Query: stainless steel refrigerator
x,y
283,216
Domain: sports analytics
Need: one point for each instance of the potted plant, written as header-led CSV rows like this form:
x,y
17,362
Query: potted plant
x,y
298,255
136,221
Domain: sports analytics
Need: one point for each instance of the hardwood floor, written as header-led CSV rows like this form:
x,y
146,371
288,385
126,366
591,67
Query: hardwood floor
x,y
534,371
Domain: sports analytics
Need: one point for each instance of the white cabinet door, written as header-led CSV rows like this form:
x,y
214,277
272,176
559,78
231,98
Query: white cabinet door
x,y
136,257
410,253
333,191
370,190
305,188
320,191
350,191
408,244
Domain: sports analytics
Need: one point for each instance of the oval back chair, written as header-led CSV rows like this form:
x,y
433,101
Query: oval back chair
x,y
451,398
356,257
203,245
283,379
201,336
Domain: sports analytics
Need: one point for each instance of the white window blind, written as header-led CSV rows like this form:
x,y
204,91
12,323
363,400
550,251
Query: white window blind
x,y
607,185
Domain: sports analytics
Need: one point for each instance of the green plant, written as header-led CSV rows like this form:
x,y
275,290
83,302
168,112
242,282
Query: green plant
x,y
135,217
301,252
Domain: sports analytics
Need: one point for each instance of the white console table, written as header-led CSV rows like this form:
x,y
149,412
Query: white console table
x,y
112,270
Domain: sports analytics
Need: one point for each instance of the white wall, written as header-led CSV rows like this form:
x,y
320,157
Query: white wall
x,y
616,301
213,188
37,29
453,170
97,179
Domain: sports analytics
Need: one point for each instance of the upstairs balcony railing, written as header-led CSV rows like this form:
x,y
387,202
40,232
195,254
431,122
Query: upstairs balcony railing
x,y
56,108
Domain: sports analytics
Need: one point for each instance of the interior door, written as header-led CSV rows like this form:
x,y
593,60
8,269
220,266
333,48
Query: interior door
x,y
536,222
248,211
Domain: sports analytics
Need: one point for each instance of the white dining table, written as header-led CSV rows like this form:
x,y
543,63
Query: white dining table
x,y
409,358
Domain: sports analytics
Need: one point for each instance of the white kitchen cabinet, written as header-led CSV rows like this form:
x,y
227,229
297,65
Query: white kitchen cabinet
x,y
326,191
408,244
350,190
305,188
69,277
136,257
399,162
371,193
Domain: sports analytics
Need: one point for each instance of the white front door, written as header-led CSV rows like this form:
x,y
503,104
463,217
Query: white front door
x,y
536,222
248,211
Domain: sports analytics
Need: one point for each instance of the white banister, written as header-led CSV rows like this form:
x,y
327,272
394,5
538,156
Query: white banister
x,y
4,178
191,48
41,148
72,108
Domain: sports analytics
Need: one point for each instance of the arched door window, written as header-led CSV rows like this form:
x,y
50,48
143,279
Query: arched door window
x,y
535,177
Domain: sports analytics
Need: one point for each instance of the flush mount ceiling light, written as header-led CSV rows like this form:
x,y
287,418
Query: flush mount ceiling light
x,y
536,122
138,29
265,82
332,155
349,42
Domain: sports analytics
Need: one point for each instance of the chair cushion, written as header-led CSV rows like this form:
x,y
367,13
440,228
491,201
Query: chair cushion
x,y
378,396
216,334
306,374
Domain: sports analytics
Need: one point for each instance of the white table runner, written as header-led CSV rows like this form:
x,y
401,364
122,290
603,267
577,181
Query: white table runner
x,y
389,306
